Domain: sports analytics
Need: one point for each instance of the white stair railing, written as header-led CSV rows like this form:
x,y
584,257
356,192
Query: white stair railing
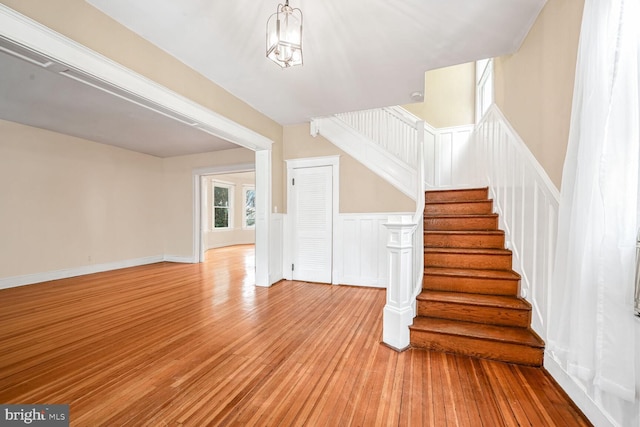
x,y
391,128
418,219
384,140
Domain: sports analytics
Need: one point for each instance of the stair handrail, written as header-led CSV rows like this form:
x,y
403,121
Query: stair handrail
x,y
418,217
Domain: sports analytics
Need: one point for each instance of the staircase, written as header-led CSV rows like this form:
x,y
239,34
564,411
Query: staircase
x,y
469,303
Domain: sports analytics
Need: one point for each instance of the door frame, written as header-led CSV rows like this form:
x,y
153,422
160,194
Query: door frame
x,y
310,162
262,168
199,196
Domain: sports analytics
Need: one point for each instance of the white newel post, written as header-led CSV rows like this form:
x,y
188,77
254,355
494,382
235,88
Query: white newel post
x,y
398,312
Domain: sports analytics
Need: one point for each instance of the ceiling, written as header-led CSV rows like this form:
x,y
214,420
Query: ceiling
x,y
47,99
358,54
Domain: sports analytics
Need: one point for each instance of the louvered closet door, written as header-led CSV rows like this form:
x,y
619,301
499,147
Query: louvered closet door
x,y
312,218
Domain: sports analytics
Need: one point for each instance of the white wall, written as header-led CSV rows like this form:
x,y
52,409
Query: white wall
x,y
447,157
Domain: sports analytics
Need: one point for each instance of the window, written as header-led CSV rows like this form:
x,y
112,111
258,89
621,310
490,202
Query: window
x,y
222,205
484,87
249,207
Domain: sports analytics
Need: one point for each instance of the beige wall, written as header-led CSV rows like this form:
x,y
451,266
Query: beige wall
x,y
66,202
237,235
360,189
449,97
534,87
178,194
85,24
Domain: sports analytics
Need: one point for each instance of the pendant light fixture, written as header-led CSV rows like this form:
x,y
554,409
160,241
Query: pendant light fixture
x,y
284,36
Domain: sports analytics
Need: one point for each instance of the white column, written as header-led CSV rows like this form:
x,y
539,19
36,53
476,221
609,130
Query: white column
x,y
263,217
398,311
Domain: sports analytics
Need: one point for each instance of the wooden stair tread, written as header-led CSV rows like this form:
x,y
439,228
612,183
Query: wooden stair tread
x,y
450,202
462,216
504,334
468,251
466,232
497,301
474,273
469,303
456,194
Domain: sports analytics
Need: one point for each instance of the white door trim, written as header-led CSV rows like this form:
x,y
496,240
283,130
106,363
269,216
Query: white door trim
x,y
263,219
309,162
262,168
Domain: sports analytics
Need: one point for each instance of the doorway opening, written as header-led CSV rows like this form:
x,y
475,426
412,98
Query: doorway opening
x,y
228,210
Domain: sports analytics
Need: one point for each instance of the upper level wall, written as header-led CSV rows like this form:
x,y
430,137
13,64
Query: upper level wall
x,y
449,96
534,86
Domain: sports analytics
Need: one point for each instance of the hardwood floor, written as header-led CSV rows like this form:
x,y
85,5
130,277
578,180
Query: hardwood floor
x,y
180,344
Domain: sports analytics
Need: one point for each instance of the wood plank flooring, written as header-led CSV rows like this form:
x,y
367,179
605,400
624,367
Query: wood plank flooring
x,y
196,345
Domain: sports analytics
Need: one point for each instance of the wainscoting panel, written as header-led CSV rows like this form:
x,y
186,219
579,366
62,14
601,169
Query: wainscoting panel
x,y
449,159
361,256
527,202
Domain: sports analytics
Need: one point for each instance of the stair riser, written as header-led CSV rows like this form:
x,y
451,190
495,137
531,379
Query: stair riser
x,y
472,313
475,347
472,285
464,241
468,208
453,224
458,195
475,261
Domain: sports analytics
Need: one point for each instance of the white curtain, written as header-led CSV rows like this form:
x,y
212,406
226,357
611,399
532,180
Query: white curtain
x,y
592,327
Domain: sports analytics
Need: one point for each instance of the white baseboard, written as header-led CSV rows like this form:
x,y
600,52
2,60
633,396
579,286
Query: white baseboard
x,y
28,279
357,281
180,259
579,396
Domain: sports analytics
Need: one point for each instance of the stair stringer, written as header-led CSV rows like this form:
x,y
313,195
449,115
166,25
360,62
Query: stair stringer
x,y
381,162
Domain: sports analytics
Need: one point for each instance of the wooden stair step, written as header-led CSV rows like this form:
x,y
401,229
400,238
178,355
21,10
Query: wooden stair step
x,y
456,195
489,282
502,343
461,222
460,207
464,239
493,259
478,308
